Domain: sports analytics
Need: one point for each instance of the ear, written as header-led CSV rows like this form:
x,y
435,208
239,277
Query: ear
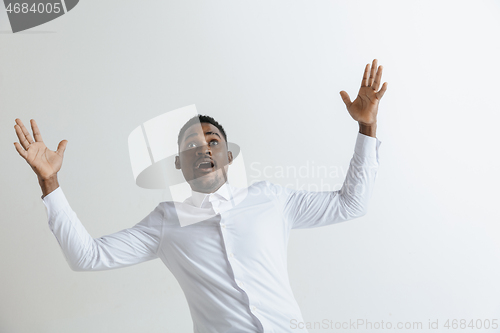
x,y
230,157
177,163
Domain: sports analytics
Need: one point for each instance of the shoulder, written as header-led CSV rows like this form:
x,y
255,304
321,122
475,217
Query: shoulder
x,y
167,208
173,210
154,219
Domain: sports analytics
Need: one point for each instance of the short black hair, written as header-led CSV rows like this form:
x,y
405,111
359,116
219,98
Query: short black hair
x,y
200,119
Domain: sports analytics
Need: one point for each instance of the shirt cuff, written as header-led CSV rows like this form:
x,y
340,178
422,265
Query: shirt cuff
x,y
55,201
367,146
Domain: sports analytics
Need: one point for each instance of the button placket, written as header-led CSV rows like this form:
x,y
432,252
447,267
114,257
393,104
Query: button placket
x,y
228,247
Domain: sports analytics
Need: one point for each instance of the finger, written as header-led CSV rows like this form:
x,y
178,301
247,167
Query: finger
x,y
22,138
62,147
345,98
372,72
25,131
378,78
364,82
381,93
20,150
36,131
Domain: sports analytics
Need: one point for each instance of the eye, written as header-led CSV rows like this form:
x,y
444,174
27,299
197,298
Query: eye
x,y
191,145
214,143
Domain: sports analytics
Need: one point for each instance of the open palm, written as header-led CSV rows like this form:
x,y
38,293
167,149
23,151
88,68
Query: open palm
x,y
364,108
45,162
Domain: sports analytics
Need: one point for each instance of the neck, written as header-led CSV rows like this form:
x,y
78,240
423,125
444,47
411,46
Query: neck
x,y
206,190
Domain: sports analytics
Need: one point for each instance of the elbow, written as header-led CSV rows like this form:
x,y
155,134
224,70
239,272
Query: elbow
x,y
357,211
92,263
80,264
361,209
82,268
76,267
362,212
354,209
85,259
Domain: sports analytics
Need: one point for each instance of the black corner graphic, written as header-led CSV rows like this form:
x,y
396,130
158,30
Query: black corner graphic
x,y
26,14
70,4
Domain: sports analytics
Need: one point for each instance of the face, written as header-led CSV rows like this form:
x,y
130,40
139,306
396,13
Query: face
x,y
204,158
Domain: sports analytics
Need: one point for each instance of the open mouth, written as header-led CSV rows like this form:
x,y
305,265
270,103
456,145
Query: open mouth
x,y
206,165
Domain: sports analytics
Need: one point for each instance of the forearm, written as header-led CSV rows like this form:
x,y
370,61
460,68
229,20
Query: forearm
x,y
360,179
83,253
304,209
76,243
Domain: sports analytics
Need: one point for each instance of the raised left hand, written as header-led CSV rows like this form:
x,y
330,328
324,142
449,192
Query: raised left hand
x,y
364,108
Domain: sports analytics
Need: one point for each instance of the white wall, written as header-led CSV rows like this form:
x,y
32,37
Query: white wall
x,y
270,72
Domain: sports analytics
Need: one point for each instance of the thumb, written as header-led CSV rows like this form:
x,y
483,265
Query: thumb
x,y
62,147
345,98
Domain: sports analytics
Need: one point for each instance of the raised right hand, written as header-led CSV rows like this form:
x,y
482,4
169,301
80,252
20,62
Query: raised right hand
x,y
45,162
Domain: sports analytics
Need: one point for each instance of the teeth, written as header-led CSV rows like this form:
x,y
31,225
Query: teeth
x,y
205,165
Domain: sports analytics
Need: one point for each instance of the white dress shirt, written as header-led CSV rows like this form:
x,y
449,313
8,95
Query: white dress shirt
x,y
232,265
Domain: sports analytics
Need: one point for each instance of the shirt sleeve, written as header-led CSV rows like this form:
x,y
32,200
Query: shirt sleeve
x,y
84,253
304,209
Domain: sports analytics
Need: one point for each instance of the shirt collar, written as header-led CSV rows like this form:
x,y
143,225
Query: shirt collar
x,y
223,193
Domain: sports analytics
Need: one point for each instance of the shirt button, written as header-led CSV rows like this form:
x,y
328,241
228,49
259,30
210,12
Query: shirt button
x,y
240,284
223,226
231,255
253,308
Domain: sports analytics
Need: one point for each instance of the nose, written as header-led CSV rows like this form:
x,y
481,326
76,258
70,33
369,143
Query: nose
x,y
204,150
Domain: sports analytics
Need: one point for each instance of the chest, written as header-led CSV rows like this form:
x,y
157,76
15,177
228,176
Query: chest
x,y
252,229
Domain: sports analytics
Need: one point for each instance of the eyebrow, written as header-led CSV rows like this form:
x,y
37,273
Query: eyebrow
x,y
206,133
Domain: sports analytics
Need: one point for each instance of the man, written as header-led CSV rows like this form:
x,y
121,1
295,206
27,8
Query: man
x,y
231,265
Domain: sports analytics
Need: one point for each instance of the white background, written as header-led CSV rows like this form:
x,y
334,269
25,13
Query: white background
x,y
270,72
